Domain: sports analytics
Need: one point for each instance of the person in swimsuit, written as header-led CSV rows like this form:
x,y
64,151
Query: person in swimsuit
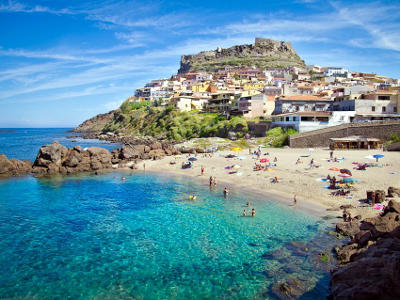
x,y
244,213
253,212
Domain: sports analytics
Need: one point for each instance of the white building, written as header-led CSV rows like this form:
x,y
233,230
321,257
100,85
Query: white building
x,y
308,121
300,103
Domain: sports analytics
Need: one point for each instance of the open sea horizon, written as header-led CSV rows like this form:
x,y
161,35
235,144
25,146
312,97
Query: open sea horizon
x,y
100,237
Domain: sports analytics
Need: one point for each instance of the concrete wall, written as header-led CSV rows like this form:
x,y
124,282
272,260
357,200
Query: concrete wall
x,y
320,138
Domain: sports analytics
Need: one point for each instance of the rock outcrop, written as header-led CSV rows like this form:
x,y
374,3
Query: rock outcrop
x,y
96,124
370,262
264,53
56,158
14,167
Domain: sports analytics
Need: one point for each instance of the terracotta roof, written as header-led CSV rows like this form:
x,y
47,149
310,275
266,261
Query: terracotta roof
x,y
305,98
305,87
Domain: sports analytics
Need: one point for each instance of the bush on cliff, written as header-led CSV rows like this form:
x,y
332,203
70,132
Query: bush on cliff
x,y
167,122
278,136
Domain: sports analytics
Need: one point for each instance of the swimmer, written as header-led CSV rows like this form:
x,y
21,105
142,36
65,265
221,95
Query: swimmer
x,y
192,197
248,204
253,212
244,213
226,192
123,178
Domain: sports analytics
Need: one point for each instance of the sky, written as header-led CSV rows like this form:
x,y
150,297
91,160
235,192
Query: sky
x,y
62,62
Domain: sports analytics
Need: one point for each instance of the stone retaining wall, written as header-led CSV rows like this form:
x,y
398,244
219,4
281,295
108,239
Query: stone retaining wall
x,y
320,138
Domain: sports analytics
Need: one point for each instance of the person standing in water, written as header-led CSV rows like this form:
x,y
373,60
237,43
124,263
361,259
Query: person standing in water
x,y
294,200
226,192
215,181
244,213
253,212
211,181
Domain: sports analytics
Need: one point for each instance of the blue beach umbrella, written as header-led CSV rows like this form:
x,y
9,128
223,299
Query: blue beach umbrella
x,y
192,158
378,156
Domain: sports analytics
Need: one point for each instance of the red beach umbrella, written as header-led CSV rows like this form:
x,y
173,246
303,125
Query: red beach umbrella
x,y
345,171
334,169
264,160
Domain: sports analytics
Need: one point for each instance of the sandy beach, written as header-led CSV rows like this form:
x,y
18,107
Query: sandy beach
x,y
294,179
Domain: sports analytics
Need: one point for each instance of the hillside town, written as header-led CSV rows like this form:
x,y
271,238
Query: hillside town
x,y
305,99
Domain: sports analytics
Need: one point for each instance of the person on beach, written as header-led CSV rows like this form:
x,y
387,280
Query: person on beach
x,y
312,163
226,192
253,212
331,154
211,181
244,213
298,161
144,166
202,170
345,214
294,200
275,159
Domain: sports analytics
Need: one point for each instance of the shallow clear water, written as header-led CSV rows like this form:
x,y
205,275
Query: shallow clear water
x,y
98,237
25,143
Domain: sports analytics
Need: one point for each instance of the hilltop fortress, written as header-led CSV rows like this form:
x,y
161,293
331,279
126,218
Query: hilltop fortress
x,y
264,53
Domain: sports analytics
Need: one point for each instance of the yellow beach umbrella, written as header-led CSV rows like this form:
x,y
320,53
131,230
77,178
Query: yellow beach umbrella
x,y
236,149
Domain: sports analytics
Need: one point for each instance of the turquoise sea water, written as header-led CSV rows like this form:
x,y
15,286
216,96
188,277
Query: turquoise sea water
x,y
25,143
98,237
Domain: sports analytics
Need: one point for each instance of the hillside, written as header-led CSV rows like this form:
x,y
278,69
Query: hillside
x,y
136,120
264,53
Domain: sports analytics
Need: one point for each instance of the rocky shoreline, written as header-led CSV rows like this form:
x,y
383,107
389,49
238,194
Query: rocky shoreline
x,y
370,262
58,159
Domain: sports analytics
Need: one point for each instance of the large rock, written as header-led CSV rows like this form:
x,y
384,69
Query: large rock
x,y
100,158
50,158
374,275
56,158
12,167
348,228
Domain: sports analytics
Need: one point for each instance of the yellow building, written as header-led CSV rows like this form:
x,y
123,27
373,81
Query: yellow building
x,y
253,86
200,87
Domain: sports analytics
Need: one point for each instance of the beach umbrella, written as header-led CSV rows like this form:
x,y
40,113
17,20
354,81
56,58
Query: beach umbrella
x,y
192,158
334,169
345,171
178,156
344,175
378,156
214,148
264,160
236,149
236,166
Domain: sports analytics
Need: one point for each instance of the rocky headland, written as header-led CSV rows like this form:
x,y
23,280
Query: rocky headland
x,y
370,262
264,53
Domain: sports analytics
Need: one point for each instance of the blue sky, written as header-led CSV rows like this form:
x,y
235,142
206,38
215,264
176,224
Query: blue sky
x,y
62,62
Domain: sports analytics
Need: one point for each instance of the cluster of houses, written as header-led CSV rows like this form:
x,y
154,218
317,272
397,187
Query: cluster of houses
x,y
305,99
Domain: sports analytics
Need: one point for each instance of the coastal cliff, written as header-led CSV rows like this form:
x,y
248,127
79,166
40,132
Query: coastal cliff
x,y
264,53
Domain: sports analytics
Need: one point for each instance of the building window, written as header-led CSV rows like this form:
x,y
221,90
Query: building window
x,y
373,108
383,97
383,108
395,109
